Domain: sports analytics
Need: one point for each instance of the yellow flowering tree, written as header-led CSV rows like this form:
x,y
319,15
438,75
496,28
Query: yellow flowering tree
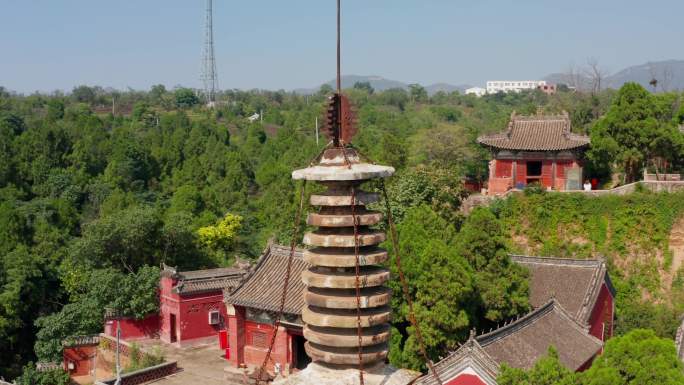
x,y
220,237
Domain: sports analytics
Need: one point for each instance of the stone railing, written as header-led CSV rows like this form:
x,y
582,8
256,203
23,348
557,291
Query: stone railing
x,y
662,177
650,185
656,186
144,375
81,341
109,343
48,366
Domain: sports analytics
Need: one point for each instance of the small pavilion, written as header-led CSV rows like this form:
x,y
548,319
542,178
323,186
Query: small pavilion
x,y
535,149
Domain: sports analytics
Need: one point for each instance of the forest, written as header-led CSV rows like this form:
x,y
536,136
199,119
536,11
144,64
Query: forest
x,y
99,187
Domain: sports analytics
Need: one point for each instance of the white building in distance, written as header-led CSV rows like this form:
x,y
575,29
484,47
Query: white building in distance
x,y
477,91
495,86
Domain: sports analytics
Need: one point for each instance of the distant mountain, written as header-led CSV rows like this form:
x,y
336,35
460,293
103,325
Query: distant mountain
x,y
669,73
381,84
434,88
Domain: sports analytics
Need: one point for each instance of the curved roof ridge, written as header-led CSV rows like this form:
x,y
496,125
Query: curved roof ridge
x,y
517,324
469,354
251,271
536,133
530,318
590,293
264,282
591,262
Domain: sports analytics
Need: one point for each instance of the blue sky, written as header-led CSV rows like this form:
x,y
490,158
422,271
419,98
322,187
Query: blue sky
x,y
57,44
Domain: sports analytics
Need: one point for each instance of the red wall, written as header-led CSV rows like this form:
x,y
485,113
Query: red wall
x,y
132,329
466,379
236,336
191,311
82,357
255,353
248,342
602,314
504,168
547,173
521,173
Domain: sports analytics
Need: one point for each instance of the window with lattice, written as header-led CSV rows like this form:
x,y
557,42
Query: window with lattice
x,y
259,339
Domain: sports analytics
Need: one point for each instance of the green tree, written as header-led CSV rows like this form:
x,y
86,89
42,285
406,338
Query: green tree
x,y
418,93
439,188
186,198
440,281
185,98
365,86
220,238
547,371
502,285
55,109
637,358
633,133
126,240
84,94
134,295
325,90
31,376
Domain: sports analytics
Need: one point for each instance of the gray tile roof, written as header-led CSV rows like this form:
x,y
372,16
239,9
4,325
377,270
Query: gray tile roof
x,y
536,133
199,281
469,355
522,342
263,287
574,283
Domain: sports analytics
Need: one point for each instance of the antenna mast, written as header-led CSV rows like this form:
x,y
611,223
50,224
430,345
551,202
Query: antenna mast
x,y
339,76
209,76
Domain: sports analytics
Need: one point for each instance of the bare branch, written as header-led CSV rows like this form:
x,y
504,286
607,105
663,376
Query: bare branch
x,y
596,73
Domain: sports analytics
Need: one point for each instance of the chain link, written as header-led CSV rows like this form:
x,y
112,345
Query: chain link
x,y
293,245
404,284
357,283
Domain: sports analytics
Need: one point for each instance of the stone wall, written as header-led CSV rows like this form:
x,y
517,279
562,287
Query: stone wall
x,y
477,200
144,375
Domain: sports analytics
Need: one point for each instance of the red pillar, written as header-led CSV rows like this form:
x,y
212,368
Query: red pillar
x,y
236,334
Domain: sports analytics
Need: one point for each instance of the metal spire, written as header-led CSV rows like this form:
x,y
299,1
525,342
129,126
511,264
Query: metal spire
x,y
341,119
209,76
339,70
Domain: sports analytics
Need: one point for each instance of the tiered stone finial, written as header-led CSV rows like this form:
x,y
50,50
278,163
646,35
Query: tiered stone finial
x,y
330,316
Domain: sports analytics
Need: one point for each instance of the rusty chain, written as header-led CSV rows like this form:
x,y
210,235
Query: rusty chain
x,y
357,283
404,284
293,245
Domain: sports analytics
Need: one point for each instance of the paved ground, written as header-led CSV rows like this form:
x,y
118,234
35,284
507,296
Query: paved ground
x,y
202,365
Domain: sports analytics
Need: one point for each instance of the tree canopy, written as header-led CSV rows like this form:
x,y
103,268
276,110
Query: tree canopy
x,y
637,129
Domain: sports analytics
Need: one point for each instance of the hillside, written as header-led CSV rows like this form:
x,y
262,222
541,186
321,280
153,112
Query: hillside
x,y
381,84
639,235
669,73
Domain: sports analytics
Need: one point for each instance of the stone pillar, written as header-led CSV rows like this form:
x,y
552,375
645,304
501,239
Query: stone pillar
x,y
330,315
236,334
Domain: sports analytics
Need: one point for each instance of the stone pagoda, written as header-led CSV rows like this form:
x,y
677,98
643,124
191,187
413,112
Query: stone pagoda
x,y
333,312
330,315
347,307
